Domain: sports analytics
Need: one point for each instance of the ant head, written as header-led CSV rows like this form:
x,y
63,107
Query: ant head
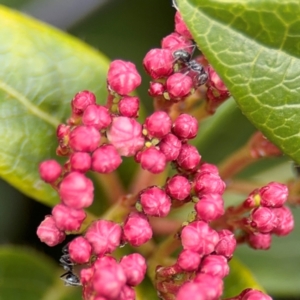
x,y
70,279
182,56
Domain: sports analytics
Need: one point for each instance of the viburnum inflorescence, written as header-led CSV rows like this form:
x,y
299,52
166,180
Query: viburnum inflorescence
x,y
98,138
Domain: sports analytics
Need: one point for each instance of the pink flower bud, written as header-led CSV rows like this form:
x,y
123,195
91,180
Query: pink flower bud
x,y
76,190
156,89
86,275
129,107
208,183
80,250
260,240
180,26
126,135
179,86
189,260
84,138
104,236
185,127
123,77
127,293
285,221
170,146
80,161
209,168
105,159
215,265
137,230
109,280
251,294
212,286
50,170
97,116
199,237
188,158
67,218
158,63
158,124
155,202
153,160
191,290
264,219
260,146
134,266
210,207
175,41
178,187
226,244
274,194
48,233
63,131
81,101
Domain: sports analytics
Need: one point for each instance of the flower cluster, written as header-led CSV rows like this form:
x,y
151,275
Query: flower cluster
x,y
97,138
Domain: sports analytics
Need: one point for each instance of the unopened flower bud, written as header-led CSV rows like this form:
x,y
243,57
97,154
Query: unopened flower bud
x,y
158,63
129,106
49,233
199,237
155,202
50,170
97,116
208,183
105,159
67,218
212,286
80,250
170,146
185,127
188,158
123,77
109,280
134,266
179,86
76,190
210,168
81,101
178,187
189,260
189,290
215,265
137,230
210,207
158,124
80,161
264,219
153,160
84,138
180,26
104,236
175,41
285,221
226,244
274,194
127,293
156,89
126,135
260,240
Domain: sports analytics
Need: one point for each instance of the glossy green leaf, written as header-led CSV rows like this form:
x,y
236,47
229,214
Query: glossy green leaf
x,y
41,70
26,274
254,46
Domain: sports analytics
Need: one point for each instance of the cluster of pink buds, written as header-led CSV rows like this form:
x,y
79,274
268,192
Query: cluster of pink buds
x,y
97,138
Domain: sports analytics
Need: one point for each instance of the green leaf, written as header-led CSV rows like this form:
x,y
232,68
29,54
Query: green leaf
x,y
26,274
239,279
254,46
41,70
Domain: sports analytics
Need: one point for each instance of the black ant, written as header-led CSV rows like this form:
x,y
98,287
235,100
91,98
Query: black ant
x,y
69,277
184,58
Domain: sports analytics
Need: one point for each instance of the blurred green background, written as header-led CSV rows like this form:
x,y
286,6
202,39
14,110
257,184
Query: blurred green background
x,y
127,29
